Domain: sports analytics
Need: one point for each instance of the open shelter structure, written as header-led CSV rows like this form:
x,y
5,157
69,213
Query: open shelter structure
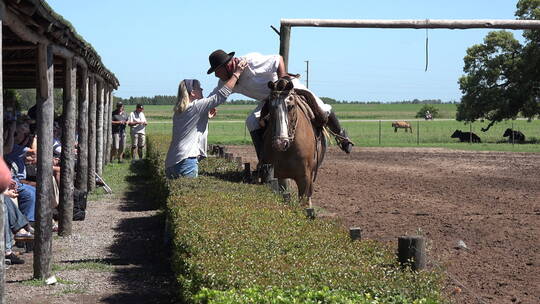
x,y
42,51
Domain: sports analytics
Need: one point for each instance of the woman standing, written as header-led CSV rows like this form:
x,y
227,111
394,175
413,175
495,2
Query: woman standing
x,y
190,121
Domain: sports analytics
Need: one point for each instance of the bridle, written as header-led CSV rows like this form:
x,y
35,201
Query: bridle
x,y
286,104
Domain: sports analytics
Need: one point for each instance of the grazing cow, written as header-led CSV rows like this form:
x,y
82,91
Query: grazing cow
x,y
514,135
402,125
466,136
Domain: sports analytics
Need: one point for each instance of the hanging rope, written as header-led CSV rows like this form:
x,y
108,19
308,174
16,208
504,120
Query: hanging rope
x,y
427,46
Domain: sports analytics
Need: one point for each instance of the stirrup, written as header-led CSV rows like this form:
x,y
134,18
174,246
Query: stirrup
x,y
345,145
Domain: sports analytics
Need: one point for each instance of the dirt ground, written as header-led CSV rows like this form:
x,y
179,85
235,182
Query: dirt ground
x,y
116,255
488,200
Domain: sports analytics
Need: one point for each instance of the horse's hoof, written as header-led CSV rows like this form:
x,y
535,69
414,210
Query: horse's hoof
x,y
346,146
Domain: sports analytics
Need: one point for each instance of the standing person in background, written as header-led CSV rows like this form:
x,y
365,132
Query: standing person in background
x,y
137,123
119,121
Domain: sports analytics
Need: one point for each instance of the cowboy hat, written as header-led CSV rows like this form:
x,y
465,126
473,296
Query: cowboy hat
x,y
217,59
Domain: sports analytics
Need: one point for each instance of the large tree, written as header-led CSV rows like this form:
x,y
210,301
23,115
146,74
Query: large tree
x,y
502,77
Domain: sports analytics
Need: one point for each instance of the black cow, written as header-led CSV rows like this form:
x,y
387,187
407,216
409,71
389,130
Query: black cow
x,y
515,135
466,136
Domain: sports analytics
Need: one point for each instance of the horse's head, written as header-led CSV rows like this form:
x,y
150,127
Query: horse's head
x,y
281,104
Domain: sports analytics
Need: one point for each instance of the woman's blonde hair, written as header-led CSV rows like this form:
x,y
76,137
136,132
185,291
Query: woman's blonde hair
x,y
182,101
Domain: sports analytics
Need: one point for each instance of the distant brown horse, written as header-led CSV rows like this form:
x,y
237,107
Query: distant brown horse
x,y
401,125
292,143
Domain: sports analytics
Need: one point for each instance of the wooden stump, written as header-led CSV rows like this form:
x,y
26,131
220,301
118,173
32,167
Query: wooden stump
x,y
412,252
355,233
239,163
310,213
247,172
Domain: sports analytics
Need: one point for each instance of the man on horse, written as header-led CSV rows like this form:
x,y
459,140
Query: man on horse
x,y
253,83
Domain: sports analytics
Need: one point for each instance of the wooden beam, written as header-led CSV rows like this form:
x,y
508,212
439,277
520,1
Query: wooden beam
x,y
2,244
28,61
68,145
18,47
416,24
284,38
45,110
18,27
92,135
99,131
82,170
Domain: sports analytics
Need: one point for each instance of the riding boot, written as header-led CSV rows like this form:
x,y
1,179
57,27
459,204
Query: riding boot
x,y
258,142
342,138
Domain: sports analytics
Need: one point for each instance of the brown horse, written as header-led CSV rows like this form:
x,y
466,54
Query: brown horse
x,y
402,125
292,143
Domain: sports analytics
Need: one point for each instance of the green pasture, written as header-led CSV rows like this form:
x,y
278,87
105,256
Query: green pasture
x,y
376,133
343,111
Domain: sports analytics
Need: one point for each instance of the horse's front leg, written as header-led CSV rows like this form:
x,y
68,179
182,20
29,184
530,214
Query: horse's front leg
x,y
305,185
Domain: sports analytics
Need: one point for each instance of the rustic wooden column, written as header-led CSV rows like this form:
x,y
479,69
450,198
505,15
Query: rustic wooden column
x,y
82,164
2,244
99,130
284,38
45,115
92,135
106,126
68,144
111,107
108,119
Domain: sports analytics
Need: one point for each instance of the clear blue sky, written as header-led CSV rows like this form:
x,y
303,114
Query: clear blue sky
x,y
152,45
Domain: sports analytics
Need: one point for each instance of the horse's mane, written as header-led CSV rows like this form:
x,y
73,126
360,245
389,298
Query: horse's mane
x,y
319,118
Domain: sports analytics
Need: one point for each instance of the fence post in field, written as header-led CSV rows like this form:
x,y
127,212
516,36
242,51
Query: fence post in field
x,y
379,132
513,140
412,252
418,132
470,133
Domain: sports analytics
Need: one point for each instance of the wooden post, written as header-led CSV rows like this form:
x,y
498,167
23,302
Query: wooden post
x,y
45,115
2,244
379,132
99,130
310,213
68,144
247,172
105,123
470,133
82,164
108,126
411,252
284,38
355,233
92,135
418,132
239,163
111,107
